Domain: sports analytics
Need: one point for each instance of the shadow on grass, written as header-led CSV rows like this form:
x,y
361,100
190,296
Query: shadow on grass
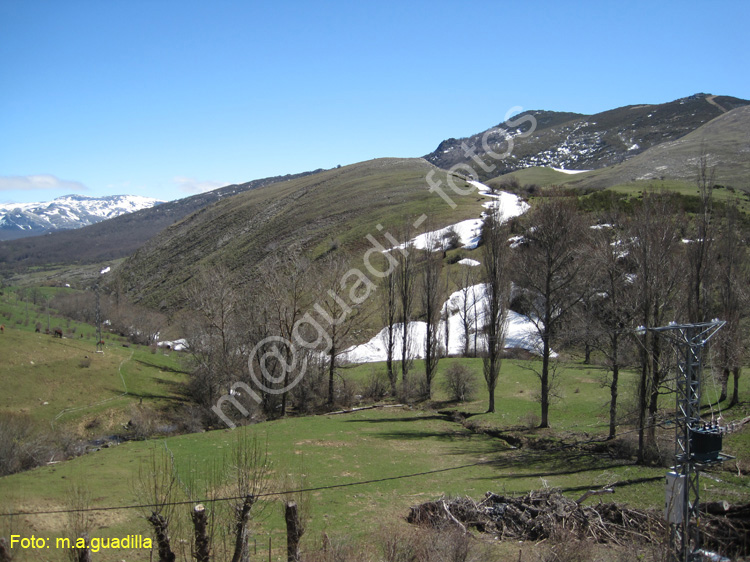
x,y
174,392
408,434
622,484
400,420
161,367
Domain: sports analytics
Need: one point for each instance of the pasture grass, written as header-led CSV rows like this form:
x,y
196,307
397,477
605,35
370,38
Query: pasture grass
x,y
406,454
66,382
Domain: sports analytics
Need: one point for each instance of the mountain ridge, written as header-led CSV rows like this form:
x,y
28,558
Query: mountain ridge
x,y
581,142
117,237
18,220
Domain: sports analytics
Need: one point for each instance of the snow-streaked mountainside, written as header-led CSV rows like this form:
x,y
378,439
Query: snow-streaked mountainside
x,y
18,220
574,142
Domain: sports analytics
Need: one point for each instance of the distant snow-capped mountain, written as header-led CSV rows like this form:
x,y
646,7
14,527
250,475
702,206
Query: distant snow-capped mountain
x,y
19,220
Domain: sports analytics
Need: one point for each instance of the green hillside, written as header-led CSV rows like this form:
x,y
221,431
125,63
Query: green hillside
x,y
68,388
332,209
725,140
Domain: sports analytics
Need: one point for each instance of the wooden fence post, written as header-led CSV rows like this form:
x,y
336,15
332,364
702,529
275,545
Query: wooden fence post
x,y
294,531
202,542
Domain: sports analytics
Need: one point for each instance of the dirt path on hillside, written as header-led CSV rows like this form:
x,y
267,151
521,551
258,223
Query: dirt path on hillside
x,y
712,101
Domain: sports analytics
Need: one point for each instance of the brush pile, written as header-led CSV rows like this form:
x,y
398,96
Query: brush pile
x,y
547,514
540,515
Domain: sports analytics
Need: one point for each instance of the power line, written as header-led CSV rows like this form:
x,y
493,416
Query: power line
x,y
265,494
281,493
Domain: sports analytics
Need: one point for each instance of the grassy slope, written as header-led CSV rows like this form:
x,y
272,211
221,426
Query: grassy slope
x,y
37,369
672,165
337,206
369,445
541,176
725,139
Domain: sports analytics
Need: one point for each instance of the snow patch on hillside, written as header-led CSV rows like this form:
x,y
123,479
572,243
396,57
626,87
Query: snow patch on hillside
x,y
521,332
468,232
564,171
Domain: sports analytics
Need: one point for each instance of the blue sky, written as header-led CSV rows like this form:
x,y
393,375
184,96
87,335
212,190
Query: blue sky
x,y
168,97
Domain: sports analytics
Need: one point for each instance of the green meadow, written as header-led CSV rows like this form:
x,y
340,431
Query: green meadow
x,y
367,467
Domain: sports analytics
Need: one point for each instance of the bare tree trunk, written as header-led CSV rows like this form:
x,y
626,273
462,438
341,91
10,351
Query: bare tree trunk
x,y
497,291
294,531
736,390
546,336
613,402
447,334
202,542
331,374
389,311
545,383
241,534
405,288
432,298
81,554
642,391
725,372
656,380
160,524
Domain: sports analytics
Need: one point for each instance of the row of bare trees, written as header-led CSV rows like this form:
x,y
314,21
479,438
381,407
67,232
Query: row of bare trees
x,y
591,287
280,336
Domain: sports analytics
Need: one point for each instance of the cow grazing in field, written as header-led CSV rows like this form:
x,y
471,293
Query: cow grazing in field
x,y
2,328
58,333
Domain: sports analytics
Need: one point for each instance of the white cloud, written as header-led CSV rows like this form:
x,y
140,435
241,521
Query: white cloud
x,y
191,185
39,181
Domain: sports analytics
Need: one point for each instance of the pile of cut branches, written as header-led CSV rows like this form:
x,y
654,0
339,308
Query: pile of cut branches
x,y
547,514
542,515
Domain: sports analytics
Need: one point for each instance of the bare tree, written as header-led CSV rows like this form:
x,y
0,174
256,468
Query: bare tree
x,y
549,266
405,276
244,474
287,288
80,521
389,313
732,306
213,335
156,487
700,248
340,312
609,314
656,249
432,296
250,477
495,260
445,316
467,310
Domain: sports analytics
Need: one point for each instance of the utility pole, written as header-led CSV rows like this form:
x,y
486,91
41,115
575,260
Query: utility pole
x,y
697,445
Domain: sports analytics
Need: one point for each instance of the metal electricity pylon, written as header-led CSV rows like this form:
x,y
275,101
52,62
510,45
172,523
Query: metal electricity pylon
x,y
695,443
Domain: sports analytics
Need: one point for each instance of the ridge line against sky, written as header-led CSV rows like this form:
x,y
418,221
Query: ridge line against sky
x,y
168,98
